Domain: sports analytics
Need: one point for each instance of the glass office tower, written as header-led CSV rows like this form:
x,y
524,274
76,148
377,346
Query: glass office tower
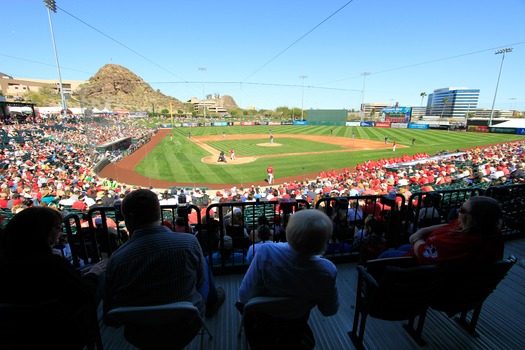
x,y
452,102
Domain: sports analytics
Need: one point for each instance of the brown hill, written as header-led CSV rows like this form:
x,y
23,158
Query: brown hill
x,y
227,102
116,87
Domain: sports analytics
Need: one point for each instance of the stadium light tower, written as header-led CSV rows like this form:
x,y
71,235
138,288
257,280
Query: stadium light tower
x,y
52,6
364,74
203,69
303,77
499,52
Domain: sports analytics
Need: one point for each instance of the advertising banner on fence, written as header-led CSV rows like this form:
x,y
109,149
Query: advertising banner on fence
x,y
274,123
503,130
438,126
520,131
190,124
382,124
417,126
247,123
300,122
220,124
476,128
367,124
353,123
287,123
398,125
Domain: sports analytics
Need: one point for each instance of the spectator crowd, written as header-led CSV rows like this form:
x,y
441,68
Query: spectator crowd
x,y
51,164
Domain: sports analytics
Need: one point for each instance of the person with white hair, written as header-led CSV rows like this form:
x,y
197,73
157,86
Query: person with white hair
x,y
296,270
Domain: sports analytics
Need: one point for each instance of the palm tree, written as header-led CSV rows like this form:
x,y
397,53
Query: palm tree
x,y
445,101
423,94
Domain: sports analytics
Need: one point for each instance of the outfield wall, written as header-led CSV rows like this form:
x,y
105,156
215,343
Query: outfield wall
x,y
328,117
377,124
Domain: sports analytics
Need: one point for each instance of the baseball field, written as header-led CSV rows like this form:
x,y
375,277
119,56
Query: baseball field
x,y
188,156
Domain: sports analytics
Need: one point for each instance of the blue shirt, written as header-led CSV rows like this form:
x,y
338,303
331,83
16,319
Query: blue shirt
x,y
278,270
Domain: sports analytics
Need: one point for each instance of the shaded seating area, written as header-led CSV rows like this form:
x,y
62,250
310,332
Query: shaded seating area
x,y
32,326
394,293
397,289
168,326
277,323
464,291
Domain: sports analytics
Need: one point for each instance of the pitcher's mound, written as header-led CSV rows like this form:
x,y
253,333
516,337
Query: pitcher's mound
x,y
269,144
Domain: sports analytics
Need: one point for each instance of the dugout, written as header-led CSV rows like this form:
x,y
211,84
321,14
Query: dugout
x,y
121,144
335,117
7,116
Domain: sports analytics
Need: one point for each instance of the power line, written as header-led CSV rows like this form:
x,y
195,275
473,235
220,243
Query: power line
x,y
42,63
426,62
252,83
121,44
296,41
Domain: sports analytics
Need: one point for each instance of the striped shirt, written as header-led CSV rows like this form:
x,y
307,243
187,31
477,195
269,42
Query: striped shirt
x,y
156,266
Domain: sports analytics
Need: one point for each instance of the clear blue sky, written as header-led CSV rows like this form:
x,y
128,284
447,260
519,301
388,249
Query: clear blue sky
x,y
256,51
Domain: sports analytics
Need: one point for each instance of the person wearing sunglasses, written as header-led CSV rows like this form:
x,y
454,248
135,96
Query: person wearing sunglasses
x,y
473,238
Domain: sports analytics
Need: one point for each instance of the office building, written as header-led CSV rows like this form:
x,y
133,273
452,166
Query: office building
x,y
452,102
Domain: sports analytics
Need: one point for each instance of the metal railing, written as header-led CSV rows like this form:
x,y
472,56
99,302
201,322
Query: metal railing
x,y
226,241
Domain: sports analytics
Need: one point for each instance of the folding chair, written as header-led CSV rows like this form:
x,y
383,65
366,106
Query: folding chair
x,y
394,293
283,315
466,290
170,326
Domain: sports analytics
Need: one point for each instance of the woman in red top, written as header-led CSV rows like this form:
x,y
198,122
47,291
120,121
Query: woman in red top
x,y
474,238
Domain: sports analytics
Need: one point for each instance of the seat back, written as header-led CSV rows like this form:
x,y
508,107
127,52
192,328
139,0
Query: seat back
x,y
403,293
153,327
236,232
208,237
278,323
280,307
466,289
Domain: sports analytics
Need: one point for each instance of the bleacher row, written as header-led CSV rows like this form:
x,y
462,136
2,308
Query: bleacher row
x,y
398,221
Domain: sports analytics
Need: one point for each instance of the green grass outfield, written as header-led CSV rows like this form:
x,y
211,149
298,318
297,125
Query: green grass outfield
x,y
180,160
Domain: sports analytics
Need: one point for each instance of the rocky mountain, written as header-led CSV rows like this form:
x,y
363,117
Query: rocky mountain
x,y
116,87
228,102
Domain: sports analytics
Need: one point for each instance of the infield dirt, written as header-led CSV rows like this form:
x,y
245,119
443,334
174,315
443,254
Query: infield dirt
x,y
124,170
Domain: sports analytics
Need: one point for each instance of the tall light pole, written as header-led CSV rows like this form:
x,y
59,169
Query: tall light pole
x,y
499,52
468,110
52,6
203,69
302,97
512,99
364,74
